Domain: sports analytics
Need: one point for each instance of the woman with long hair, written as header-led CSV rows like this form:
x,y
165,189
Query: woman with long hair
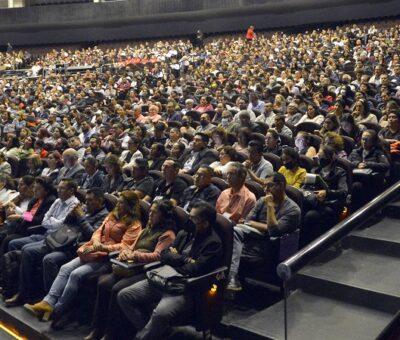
x,y
158,235
118,232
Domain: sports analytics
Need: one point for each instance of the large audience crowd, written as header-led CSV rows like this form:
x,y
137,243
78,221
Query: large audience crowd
x,y
280,133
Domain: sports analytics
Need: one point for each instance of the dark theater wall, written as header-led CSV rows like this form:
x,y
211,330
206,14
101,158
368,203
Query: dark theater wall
x,y
137,19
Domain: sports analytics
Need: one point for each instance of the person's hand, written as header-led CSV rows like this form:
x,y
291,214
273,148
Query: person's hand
x,y
189,260
321,195
125,255
269,201
218,173
97,246
247,164
173,250
361,165
14,217
88,250
78,211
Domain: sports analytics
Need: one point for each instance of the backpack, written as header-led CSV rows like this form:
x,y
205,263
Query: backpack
x,y
66,237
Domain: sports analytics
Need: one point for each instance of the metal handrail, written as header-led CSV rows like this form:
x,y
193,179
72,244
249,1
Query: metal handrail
x,y
292,265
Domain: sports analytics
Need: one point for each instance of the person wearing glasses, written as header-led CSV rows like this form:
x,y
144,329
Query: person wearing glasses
x,y
274,215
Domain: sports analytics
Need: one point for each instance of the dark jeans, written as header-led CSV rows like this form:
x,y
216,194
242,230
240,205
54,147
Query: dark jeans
x,y
108,317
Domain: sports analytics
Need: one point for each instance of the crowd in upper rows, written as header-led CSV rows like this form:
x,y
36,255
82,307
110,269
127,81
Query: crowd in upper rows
x,y
236,123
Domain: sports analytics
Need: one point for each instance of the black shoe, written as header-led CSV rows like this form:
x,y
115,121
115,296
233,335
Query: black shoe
x,y
16,300
234,285
59,321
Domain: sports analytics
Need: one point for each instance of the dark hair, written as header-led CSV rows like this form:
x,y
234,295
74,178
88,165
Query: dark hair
x,y
278,178
206,212
28,180
71,184
231,152
92,161
203,136
256,145
7,179
98,192
46,183
14,141
209,170
177,164
160,149
292,153
328,151
168,212
241,170
142,164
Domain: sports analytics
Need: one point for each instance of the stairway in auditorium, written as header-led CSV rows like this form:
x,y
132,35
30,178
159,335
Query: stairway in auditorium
x,y
348,292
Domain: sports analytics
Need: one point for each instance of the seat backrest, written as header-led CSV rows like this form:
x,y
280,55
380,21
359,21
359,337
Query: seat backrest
x,y
295,195
273,159
242,156
187,179
182,217
372,126
155,174
306,162
81,195
14,162
110,201
219,183
231,138
286,140
348,167
144,212
255,188
262,127
308,127
315,141
349,144
258,137
224,229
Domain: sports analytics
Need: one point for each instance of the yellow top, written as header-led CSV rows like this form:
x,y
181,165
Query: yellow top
x,y
293,178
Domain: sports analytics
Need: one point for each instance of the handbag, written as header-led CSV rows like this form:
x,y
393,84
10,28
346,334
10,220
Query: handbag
x,y
65,237
167,279
126,268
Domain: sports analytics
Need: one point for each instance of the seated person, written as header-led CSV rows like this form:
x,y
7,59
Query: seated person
x,y
94,149
273,143
119,231
72,168
335,141
391,133
273,215
54,164
157,236
128,156
33,253
290,168
40,203
324,206
369,156
170,186
202,190
303,146
115,180
142,183
236,202
157,156
192,254
257,166
52,221
199,155
349,128
280,126
93,177
205,124
227,155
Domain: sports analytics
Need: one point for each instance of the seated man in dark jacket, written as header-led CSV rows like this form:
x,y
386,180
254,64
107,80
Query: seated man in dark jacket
x,y
170,186
191,254
274,215
199,155
93,177
202,190
324,206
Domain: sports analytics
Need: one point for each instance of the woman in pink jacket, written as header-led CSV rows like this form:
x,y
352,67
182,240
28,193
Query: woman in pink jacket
x,y
157,236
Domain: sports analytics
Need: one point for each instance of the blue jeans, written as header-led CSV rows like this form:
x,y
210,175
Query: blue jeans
x,y
134,302
51,266
18,243
66,285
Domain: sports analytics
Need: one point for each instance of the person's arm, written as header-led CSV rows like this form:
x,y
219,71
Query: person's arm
x,y
300,176
164,241
87,228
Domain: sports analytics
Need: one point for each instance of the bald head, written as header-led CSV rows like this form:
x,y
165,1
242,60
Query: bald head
x,y
70,157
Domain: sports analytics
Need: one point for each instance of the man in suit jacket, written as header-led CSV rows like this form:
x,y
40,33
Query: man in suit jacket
x,y
71,169
92,177
199,155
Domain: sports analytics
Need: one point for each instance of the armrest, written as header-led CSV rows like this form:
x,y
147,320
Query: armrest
x,y
152,265
36,229
209,278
